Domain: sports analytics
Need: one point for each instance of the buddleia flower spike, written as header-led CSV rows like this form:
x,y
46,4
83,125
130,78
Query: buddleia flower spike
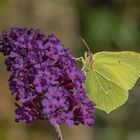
x,y
45,79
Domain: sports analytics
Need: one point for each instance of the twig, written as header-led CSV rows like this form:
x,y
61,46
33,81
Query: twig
x,y
59,133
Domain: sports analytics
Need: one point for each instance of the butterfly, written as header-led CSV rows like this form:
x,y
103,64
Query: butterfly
x,y
110,76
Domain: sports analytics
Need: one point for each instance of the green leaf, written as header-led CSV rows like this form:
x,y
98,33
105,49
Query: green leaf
x,y
110,77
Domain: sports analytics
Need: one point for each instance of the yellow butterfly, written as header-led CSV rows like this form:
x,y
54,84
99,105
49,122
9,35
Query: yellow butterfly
x,y
109,77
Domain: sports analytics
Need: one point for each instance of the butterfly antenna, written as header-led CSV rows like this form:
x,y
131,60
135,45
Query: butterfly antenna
x,y
85,43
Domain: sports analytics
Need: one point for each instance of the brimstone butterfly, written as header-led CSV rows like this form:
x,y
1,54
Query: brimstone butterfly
x,y
109,77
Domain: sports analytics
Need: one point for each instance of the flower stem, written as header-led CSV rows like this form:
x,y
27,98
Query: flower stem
x,y
59,133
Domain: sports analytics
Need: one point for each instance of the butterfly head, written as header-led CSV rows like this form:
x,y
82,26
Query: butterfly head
x,y
88,63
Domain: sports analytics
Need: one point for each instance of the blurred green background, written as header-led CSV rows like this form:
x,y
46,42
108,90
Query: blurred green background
x,y
111,25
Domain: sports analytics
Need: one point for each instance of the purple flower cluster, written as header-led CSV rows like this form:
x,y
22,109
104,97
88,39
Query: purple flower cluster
x,y
45,79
